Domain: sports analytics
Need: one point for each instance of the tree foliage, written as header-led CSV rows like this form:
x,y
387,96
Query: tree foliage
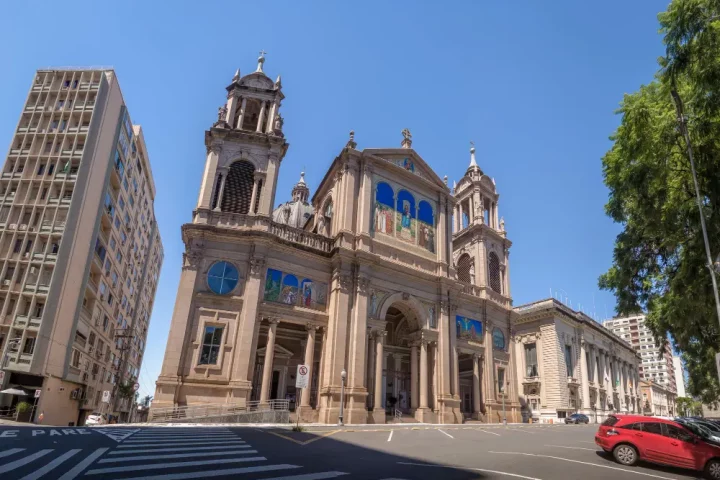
x,y
659,262
688,407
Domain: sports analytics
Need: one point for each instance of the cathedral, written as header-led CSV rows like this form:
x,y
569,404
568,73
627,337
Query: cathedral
x,y
385,280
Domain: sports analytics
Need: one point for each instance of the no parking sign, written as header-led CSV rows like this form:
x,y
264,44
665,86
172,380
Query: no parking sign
x,y
301,379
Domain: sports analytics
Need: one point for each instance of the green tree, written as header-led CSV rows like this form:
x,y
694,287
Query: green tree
x,y
688,407
659,262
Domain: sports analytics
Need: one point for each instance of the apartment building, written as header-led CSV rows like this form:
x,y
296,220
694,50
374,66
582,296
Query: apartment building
x,y
80,251
656,364
679,376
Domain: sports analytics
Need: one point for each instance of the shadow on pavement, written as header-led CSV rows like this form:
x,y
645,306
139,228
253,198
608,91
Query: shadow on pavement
x,y
652,466
322,452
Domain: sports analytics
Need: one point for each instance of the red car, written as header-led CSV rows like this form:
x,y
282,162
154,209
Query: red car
x,y
634,437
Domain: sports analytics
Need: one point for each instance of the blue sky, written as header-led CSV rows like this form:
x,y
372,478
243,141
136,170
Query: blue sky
x,y
534,84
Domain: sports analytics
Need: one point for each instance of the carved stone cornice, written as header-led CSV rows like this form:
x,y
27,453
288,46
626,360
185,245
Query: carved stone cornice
x,y
214,147
344,281
444,307
363,285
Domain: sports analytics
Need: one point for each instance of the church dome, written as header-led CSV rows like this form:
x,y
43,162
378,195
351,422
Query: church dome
x,y
296,212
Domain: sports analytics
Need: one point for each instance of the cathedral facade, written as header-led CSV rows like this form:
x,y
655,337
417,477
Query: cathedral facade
x,y
385,279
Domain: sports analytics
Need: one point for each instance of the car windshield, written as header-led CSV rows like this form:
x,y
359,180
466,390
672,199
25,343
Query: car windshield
x,y
697,429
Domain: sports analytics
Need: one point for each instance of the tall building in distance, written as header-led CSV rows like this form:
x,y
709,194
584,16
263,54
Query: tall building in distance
x,y
80,251
657,365
679,376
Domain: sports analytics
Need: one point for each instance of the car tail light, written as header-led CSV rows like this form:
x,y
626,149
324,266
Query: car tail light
x,y
610,433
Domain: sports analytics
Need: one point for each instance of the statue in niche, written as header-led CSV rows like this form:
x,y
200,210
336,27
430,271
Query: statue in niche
x,y
278,123
222,112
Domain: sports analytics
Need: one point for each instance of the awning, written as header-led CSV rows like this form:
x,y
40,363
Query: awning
x,y
14,391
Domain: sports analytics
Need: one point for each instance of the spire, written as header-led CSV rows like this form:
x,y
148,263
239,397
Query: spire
x,y
302,178
473,162
300,191
261,60
454,185
236,77
278,82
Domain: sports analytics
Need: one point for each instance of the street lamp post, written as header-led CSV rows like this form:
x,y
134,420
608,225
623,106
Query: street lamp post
x,y
503,399
683,129
343,376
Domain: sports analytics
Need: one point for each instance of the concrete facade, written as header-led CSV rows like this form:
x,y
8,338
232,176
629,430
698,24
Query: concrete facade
x,y
656,362
80,252
362,279
679,376
568,363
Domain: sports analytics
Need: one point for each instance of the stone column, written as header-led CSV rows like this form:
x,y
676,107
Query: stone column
x,y
209,177
460,216
309,354
441,235
370,369
271,118
414,376
261,118
270,185
476,386
253,196
423,374
221,191
378,410
456,373
356,391
584,380
232,107
366,201
268,365
243,104
433,357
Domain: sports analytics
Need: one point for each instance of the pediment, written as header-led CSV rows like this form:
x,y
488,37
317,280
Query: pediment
x,y
280,352
408,160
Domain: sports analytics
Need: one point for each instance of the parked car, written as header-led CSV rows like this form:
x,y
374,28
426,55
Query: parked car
x,y
577,418
631,438
701,427
96,419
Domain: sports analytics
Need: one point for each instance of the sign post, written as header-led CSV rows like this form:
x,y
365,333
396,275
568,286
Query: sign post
x,y
35,400
301,381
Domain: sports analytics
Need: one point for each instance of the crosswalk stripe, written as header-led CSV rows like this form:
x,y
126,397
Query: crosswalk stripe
x,y
70,475
176,455
42,471
156,466
193,432
312,476
175,449
215,473
6,453
24,461
189,437
180,443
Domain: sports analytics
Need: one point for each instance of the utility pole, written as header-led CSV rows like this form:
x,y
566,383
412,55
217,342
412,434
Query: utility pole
x,y
124,348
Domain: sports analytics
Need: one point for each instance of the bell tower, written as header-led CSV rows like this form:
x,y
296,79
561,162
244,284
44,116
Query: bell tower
x,y
245,147
480,245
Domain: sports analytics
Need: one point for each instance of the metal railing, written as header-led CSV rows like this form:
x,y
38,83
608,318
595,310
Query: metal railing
x,y
272,411
398,415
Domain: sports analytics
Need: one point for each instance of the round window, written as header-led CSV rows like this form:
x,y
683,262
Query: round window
x,y
222,277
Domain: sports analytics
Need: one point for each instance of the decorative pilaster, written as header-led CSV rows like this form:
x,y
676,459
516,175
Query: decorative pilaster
x,y
268,361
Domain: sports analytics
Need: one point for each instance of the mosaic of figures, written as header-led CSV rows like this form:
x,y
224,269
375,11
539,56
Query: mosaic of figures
x,y
286,288
407,164
468,328
400,216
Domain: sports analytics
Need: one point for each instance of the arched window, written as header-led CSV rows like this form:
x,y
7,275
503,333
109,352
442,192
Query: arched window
x,y
384,211
405,227
464,266
327,213
251,116
426,226
238,187
498,339
494,272
289,290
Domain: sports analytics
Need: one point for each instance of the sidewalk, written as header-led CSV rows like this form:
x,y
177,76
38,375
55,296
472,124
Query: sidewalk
x,y
14,423
318,427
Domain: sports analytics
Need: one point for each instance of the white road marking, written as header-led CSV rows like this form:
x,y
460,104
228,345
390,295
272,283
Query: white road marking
x,y
474,469
215,473
175,449
521,430
488,431
83,465
445,433
390,436
573,448
157,466
6,453
43,470
584,463
177,455
181,439
181,443
24,461
311,476
172,434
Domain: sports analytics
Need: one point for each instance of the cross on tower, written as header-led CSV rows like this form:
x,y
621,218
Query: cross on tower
x,y
262,53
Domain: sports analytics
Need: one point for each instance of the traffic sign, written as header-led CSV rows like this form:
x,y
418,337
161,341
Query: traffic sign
x,y
136,386
301,379
106,396
37,393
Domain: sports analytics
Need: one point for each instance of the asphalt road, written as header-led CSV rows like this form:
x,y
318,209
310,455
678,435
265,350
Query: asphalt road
x,y
384,453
